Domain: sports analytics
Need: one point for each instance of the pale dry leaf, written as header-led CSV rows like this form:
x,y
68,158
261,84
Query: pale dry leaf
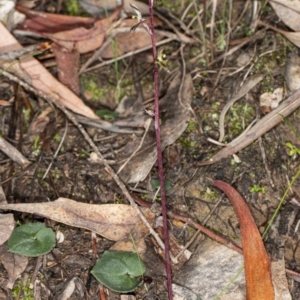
x,y
288,11
175,116
7,225
42,80
135,240
271,99
12,152
2,196
113,221
292,72
13,263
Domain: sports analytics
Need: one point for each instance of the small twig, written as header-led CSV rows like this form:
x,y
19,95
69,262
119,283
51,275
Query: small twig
x,y
57,150
194,224
13,153
192,239
148,122
131,53
264,158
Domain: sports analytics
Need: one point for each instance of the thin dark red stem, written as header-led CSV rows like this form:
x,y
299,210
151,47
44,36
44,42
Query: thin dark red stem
x,y
160,161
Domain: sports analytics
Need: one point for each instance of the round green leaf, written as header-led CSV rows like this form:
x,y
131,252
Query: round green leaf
x,y
32,239
118,270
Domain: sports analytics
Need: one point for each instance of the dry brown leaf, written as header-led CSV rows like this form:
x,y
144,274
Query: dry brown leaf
x,y
47,22
135,240
36,75
13,153
67,62
7,225
288,12
13,263
113,221
81,38
257,264
127,41
175,116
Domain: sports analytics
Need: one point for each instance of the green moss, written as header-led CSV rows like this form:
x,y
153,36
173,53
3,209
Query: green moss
x,y
239,116
72,7
23,292
192,126
186,142
257,189
90,84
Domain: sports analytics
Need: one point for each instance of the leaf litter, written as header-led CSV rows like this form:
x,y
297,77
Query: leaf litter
x,y
176,117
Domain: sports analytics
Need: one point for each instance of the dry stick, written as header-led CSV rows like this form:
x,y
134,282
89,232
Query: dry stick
x,y
131,53
192,239
57,150
13,153
148,122
189,221
52,99
159,158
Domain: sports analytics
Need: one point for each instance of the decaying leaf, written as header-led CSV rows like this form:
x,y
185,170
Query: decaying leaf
x,y
81,38
292,72
32,72
113,221
293,37
68,62
7,225
13,263
135,240
256,260
175,116
288,12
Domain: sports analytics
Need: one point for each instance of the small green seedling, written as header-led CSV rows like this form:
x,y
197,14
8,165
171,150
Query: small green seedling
x,y
294,151
32,239
257,189
107,115
120,271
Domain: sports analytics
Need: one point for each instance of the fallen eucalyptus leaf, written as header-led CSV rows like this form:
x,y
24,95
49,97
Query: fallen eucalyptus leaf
x,y
13,263
257,264
36,75
288,12
112,221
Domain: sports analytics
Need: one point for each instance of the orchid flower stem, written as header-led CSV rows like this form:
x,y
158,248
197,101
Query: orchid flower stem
x,y
159,158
